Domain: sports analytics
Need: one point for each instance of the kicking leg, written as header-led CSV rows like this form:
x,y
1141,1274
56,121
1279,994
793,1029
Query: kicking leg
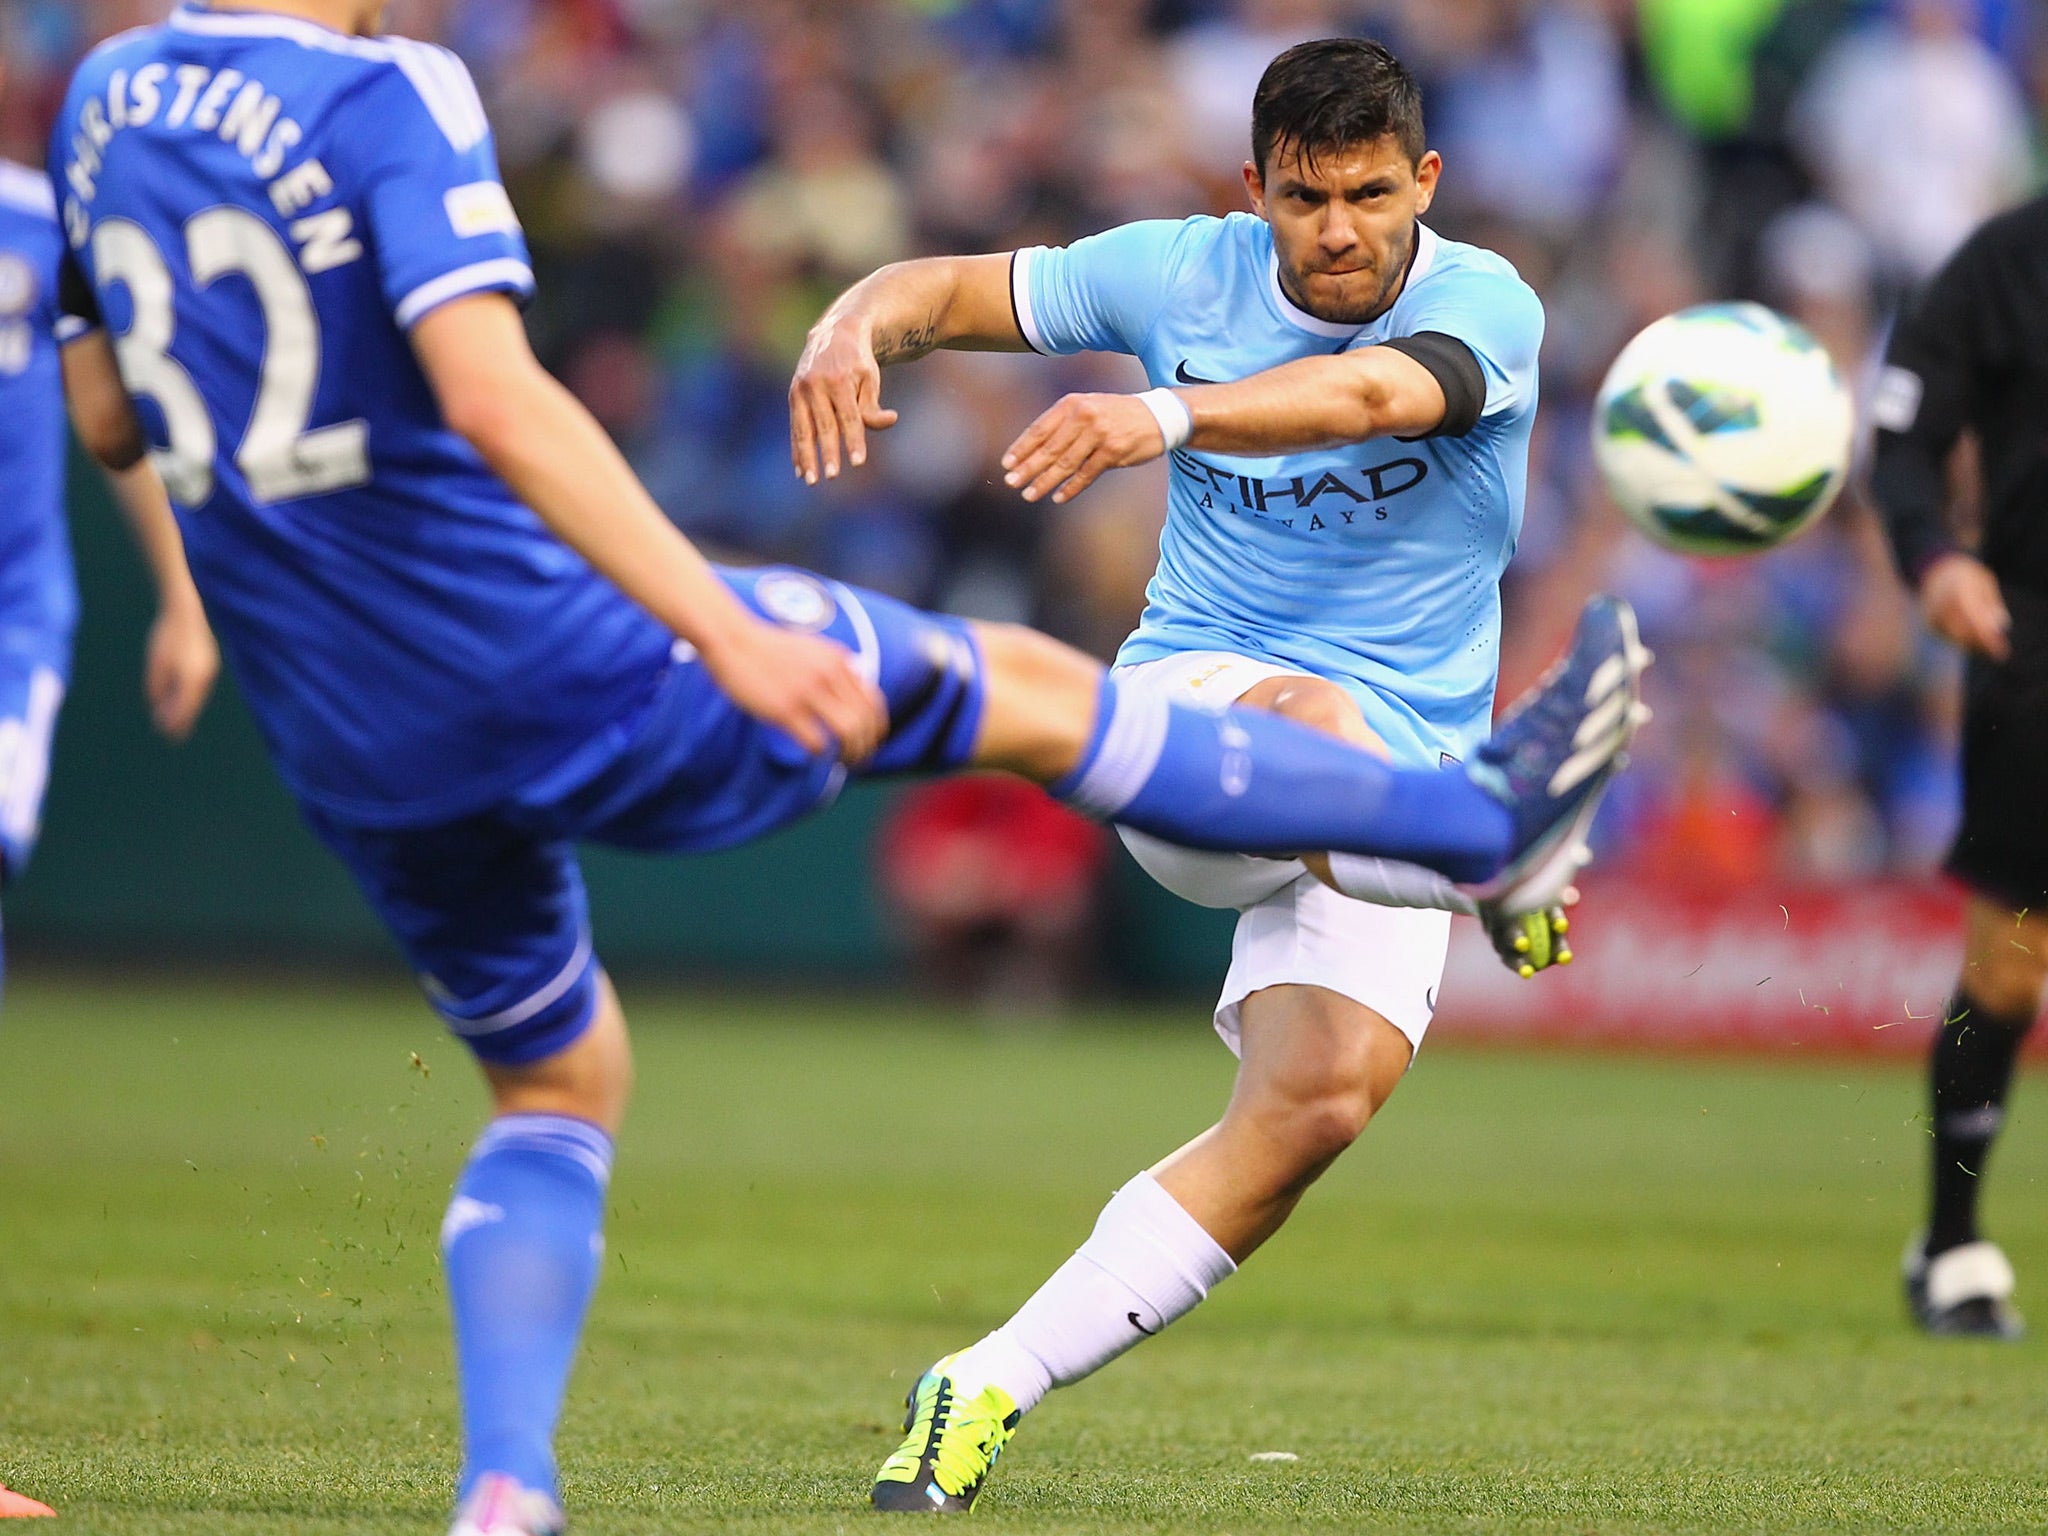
x,y
1956,1282
1245,780
1323,706
1242,780
1525,941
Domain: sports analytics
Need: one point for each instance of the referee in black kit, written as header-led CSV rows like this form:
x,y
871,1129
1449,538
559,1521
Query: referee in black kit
x,y
1972,352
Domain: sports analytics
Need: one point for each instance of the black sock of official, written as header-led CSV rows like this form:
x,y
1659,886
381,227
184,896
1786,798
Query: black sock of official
x,y
1970,1072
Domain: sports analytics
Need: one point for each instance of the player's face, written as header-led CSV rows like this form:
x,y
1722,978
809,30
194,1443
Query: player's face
x,y
1344,225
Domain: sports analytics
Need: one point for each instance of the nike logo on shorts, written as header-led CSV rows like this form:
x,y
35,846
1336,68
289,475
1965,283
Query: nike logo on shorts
x,y
1150,1333
1182,375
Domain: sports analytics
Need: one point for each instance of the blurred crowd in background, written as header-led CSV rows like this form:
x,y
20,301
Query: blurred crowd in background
x,y
700,177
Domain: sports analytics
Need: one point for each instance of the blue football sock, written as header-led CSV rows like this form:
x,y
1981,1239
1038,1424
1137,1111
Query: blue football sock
x,y
1252,782
521,1245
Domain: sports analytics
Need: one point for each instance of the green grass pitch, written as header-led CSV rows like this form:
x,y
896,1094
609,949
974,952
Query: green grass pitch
x,y
1550,1292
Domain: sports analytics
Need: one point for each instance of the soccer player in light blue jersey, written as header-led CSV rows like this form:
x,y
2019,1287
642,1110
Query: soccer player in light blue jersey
x,y
1345,399
470,639
38,591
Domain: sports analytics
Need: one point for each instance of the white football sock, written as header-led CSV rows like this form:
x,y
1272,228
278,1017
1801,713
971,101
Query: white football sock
x,y
1146,1263
1390,883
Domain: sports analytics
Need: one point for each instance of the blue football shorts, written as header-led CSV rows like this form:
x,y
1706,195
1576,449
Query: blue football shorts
x,y
31,692
490,909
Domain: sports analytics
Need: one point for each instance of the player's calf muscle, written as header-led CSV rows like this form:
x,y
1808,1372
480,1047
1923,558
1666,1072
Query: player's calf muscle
x,y
1040,702
1317,1067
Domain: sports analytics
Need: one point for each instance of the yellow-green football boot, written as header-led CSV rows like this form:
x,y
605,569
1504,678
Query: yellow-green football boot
x,y
1532,941
950,1445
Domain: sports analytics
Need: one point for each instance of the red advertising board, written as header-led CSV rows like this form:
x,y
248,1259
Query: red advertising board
x,y
1860,968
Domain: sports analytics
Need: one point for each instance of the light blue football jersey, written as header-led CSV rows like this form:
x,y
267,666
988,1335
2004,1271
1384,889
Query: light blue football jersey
x,y
264,208
1376,565
38,593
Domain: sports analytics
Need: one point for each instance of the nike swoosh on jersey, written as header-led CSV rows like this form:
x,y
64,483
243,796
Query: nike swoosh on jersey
x,y
1182,375
1148,1332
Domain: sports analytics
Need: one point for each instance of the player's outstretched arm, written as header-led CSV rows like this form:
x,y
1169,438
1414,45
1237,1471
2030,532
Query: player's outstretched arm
x,y
181,661
897,314
541,441
1315,402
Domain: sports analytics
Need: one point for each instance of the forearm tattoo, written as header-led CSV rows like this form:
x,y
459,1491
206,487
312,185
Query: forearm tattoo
x,y
914,342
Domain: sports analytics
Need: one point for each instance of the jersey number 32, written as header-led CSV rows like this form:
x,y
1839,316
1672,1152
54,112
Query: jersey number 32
x,y
281,457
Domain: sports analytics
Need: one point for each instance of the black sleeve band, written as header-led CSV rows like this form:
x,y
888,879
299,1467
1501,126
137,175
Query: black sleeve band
x,y
1017,318
1451,363
75,297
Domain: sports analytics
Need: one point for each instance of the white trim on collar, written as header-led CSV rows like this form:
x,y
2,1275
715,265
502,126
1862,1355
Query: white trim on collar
x,y
1294,314
440,78
212,23
1426,244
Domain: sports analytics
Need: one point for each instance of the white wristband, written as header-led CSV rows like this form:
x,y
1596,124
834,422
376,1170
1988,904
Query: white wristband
x,y
1171,412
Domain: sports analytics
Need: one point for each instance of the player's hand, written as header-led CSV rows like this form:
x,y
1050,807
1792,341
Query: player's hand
x,y
804,685
1063,452
835,400
1960,599
180,665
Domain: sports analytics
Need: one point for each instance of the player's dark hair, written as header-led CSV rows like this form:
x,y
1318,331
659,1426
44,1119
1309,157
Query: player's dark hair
x,y
1322,97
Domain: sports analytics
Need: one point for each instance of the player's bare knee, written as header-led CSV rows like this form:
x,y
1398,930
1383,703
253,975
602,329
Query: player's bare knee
x,y
1318,704
1301,1040
1309,701
2005,960
590,1079
2009,987
1323,1128
1314,1111
1040,702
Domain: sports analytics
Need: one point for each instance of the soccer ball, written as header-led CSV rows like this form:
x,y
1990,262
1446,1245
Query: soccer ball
x,y
1723,429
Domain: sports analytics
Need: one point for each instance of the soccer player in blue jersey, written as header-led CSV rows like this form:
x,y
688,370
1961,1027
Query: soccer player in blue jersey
x,y
1346,401
470,639
38,592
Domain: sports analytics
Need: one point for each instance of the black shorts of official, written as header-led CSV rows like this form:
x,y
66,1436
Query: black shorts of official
x,y
2001,848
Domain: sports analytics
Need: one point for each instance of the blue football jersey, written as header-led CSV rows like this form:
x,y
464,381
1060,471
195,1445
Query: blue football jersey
x,y
38,593
263,208
1376,565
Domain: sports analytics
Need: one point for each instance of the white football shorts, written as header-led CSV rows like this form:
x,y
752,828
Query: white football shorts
x,y
1291,928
